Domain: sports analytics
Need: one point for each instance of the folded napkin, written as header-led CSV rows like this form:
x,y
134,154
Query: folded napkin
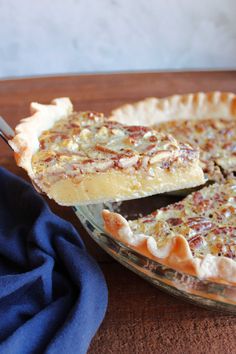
x,y
52,294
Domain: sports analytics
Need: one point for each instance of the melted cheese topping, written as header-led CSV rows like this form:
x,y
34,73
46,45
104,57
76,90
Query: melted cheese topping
x,y
87,143
216,139
205,218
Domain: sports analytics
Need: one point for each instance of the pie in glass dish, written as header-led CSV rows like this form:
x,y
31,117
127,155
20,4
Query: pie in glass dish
x,y
196,236
84,158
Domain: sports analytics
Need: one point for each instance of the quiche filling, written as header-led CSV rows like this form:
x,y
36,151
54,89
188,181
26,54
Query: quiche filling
x,y
216,139
87,143
206,219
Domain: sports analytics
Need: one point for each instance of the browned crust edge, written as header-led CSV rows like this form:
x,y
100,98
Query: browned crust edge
x,y
176,253
25,142
200,105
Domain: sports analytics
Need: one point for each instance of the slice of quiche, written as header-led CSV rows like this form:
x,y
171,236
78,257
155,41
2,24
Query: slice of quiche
x,y
82,158
196,235
204,120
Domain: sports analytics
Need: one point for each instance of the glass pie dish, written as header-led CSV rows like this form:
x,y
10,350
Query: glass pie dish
x,y
216,296
205,293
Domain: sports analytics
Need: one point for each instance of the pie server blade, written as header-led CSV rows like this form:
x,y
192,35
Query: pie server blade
x,y
6,132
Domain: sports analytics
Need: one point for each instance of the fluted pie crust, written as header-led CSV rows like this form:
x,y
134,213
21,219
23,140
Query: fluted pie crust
x,y
83,158
200,105
196,235
214,115
205,120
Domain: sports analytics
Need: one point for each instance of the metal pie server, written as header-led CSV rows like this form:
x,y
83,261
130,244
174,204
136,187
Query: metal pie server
x,y
6,132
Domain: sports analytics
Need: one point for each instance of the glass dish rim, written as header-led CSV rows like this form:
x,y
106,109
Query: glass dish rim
x,y
212,299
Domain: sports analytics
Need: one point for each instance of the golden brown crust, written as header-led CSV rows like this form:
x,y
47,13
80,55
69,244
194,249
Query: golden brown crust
x,y
151,111
25,142
176,253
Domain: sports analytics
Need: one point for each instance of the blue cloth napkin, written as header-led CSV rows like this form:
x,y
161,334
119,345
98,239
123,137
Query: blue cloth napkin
x,y
53,296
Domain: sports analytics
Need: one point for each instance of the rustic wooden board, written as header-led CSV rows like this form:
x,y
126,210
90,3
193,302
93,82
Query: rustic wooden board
x,y
140,318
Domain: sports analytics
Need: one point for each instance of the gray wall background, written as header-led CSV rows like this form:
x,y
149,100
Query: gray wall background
x,y
66,36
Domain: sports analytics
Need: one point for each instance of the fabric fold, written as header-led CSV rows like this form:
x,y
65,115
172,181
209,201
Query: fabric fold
x,y
53,296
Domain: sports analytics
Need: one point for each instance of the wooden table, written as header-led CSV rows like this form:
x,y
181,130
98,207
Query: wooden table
x,y
140,318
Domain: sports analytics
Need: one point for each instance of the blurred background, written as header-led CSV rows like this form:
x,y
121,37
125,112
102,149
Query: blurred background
x,y
80,36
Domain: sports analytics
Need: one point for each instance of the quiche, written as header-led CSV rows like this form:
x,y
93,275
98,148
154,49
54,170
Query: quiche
x,y
207,121
81,158
196,235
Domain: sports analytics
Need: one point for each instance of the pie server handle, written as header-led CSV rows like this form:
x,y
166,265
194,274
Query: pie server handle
x,y
6,132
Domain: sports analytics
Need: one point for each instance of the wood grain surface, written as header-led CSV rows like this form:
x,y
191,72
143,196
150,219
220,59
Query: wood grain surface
x,y
140,318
